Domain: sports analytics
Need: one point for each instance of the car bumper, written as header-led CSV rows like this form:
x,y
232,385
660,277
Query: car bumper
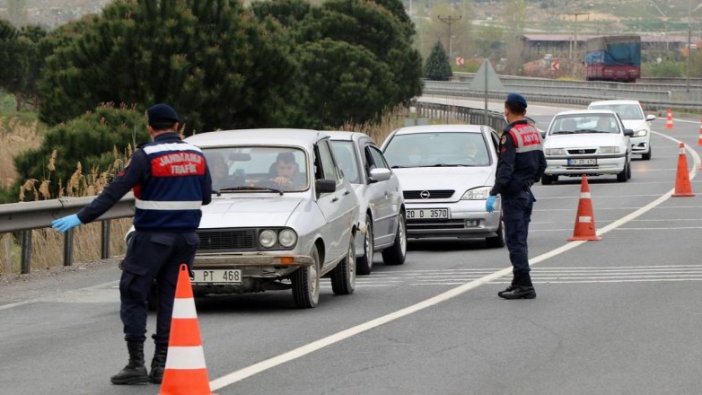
x,y
467,219
640,145
605,165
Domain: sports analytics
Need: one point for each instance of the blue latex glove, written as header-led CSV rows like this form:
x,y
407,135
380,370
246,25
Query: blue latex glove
x,y
66,223
490,203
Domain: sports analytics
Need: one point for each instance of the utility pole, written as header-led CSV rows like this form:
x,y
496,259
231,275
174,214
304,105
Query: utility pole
x,y
574,43
449,20
689,44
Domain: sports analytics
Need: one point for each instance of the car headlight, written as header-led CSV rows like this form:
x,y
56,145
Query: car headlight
x,y
267,238
609,150
287,238
480,193
640,133
554,151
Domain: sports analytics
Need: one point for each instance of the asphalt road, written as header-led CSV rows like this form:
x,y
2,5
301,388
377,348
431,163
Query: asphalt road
x,y
616,316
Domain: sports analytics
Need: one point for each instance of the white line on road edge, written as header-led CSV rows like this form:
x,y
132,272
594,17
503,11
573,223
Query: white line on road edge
x,y
309,348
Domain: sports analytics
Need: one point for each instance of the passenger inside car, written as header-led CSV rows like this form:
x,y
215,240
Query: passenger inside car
x,y
218,171
604,124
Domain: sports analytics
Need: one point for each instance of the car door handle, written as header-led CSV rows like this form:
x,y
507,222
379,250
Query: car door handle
x,y
347,192
335,199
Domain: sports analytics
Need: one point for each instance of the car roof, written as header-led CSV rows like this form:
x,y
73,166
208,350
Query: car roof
x,y
450,128
343,135
605,102
585,112
274,137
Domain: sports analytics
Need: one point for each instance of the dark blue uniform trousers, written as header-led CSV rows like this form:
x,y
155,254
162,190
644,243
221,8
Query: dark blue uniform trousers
x,y
152,256
516,211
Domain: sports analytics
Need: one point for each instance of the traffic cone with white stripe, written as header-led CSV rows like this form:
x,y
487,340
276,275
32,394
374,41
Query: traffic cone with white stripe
x,y
585,218
669,121
682,178
699,140
185,373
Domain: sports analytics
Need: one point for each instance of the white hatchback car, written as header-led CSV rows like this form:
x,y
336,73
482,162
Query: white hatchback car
x,y
633,117
590,142
446,173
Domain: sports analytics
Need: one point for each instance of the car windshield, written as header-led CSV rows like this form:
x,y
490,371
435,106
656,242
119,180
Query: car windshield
x,y
584,123
442,149
257,169
348,160
625,111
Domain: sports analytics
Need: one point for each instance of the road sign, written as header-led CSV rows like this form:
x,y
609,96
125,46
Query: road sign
x,y
460,61
555,65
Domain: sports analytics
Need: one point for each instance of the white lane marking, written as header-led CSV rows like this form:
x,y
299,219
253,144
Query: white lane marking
x,y
677,228
299,352
596,196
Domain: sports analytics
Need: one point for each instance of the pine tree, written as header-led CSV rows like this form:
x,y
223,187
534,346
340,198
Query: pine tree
x,y
437,66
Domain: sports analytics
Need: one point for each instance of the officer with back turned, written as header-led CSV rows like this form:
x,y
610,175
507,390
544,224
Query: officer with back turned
x,y
171,182
521,163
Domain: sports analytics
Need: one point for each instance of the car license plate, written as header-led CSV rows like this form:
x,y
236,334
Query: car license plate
x,y
428,213
216,276
582,162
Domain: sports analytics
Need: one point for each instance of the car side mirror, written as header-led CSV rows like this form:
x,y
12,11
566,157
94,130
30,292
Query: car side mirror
x,y
377,175
629,132
324,186
650,117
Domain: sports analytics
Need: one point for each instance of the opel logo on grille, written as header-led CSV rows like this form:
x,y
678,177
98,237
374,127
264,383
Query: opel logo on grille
x,y
424,194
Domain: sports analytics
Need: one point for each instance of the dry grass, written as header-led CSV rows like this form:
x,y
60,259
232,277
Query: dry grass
x,y
47,244
17,135
378,131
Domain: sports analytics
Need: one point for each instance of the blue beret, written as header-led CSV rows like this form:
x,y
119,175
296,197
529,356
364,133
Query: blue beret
x,y
517,99
160,114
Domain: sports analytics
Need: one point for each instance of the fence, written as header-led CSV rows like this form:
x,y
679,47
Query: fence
x,y
26,216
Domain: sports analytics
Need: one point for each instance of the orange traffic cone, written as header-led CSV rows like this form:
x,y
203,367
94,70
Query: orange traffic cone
x,y
669,121
185,373
699,140
584,219
682,178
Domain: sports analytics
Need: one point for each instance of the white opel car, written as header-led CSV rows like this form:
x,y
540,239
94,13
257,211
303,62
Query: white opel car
x,y
446,173
633,117
588,142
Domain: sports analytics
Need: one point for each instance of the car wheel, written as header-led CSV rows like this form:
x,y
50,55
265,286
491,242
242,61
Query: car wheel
x,y
621,177
647,155
343,276
364,264
305,283
395,254
628,171
499,240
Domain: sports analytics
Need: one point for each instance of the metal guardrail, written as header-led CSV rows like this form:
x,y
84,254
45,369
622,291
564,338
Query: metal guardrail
x,y
26,216
466,114
655,94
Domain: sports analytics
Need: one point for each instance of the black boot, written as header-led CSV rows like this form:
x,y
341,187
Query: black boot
x,y
521,288
158,364
135,371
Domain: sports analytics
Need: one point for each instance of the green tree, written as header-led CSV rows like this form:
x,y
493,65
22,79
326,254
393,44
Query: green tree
x,y
343,83
437,66
515,20
211,59
288,12
21,60
90,139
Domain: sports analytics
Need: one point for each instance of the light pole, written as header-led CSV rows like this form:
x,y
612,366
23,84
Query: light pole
x,y
689,44
449,20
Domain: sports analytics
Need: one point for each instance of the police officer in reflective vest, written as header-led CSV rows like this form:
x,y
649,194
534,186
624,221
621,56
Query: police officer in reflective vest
x,y
521,163
171,182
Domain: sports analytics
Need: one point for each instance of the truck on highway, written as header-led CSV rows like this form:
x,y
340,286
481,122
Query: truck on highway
x,y
613,58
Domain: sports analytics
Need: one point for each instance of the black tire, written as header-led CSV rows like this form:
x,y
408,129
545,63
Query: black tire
x,y
622,176
397,252
305,283
548,179
364,264
343,276
499,240
647,155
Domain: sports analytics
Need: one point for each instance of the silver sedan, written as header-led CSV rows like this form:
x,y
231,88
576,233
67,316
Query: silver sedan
x,y
283,215
381,205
